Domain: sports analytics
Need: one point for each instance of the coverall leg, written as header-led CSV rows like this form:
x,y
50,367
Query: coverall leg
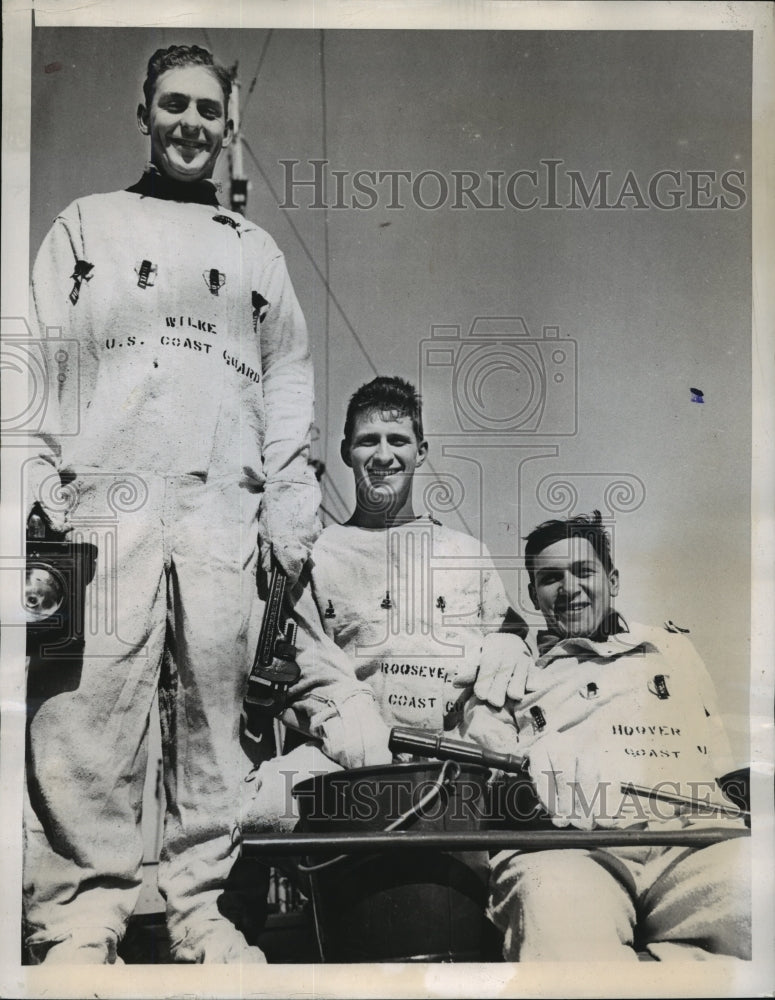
x,y
87,737
700,904
561,906
678,903
176,568
214,621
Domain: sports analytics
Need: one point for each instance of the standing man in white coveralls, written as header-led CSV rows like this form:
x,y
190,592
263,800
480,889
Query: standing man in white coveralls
x,y
605,705
194,396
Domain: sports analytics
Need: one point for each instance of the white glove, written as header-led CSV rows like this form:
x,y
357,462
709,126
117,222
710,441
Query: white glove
x,y
493,729
288,524
502,670
570,784
42,486
269,802
353,731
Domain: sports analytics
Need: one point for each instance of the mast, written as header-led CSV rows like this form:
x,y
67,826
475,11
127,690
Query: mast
x,y
238,181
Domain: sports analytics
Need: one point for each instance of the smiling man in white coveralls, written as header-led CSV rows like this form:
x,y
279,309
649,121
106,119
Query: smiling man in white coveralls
x,y
194,396
419,608
416,611
607,704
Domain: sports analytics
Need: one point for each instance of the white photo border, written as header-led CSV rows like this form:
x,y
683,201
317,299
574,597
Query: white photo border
x,y
493,980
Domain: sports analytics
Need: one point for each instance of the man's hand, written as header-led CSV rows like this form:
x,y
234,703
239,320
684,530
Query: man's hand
x,y
490,728
501,672
354,733
287,526
570,784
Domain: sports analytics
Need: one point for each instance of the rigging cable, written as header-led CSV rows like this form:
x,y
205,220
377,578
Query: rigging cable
x,y
308,254
323,274
327,254
259,64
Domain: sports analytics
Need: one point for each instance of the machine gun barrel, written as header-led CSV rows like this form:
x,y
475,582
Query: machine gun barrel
x,y
430,744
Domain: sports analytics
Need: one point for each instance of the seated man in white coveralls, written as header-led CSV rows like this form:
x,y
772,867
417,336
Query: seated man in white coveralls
x,y
418,608
193,399
608,703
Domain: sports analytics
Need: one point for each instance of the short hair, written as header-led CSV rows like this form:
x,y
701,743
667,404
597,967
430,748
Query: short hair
x,y
386,393
589,526
184,55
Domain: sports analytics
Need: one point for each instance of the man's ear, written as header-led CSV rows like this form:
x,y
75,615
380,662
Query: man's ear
x,y
613,580
344,451
228,134
422,453
532,593
142,119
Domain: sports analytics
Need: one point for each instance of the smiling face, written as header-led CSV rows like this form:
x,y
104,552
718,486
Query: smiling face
x,y
383,453
187,123
572,589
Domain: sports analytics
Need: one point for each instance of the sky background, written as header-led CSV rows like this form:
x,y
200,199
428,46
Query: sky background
x,y
649,302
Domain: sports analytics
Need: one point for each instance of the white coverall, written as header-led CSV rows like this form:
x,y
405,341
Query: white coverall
x,y
410,606
640,708
184,391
